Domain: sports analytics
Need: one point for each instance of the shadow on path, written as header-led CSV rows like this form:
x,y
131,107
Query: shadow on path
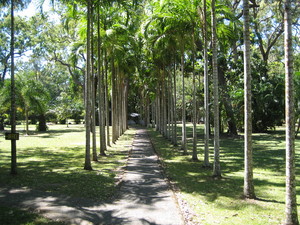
x,y
144,197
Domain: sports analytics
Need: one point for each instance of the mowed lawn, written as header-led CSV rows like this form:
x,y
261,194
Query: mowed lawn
x,y
53,161
220,201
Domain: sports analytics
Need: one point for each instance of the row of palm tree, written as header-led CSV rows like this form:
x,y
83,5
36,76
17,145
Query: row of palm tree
x,y
171,39
168,25
109,62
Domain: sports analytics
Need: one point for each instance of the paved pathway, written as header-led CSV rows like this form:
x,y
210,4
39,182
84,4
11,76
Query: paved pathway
x,y
144,198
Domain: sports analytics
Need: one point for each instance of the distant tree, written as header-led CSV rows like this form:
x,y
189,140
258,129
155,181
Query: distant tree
x,y
23,41
32,96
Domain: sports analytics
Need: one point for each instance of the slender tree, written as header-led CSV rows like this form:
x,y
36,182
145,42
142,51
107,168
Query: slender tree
x,y
291,217
93,90
183,138
101,94
206,90
194,157
106,101
13,95
87,164
217,166
248,177
175,102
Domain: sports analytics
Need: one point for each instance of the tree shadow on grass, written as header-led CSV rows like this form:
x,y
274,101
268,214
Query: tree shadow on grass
x,y
59,171
62,208
269,156
13,216
79,210
55,133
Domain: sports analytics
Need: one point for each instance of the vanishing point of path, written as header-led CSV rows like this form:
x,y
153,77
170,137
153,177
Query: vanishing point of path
x,y
144,198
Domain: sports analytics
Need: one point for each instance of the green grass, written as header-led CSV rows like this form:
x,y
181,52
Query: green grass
x,y
220,201
13,216
53,161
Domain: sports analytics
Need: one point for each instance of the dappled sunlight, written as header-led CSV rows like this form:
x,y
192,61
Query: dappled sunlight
x,y
55,163
61,189
220,201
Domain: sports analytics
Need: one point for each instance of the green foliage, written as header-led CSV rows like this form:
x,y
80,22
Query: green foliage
x,y
31,93
24,40
68,107
268,96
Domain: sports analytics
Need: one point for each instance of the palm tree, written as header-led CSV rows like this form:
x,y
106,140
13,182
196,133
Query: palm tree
x,y
291,216
87,164
217,167
100,89
93,88
13,95
31,96
194,157
174,105
174,20
206,90
183,138
106,99
248,178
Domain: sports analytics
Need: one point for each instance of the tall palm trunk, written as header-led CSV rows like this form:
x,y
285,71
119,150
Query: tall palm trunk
x,y
93,94
206,91
101,102
291,216
217,167
113,101
248,177
87,164
175,102
13,170
106,100
161,110
168,107
194,157
27,120
153,114
171,107
183,139
157,110
164,105
125,102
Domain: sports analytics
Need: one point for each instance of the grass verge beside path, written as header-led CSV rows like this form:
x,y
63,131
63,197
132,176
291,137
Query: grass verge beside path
x,y
53,161
13,216
220,201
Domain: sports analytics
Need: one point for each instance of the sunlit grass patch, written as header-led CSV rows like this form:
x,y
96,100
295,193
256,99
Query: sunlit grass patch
x,y
221,201
53,161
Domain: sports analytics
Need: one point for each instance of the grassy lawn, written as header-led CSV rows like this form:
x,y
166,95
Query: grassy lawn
x,y
15,216
53,161
220,201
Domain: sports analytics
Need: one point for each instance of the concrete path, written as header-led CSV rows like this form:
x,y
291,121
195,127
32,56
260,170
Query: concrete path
x,y
144,198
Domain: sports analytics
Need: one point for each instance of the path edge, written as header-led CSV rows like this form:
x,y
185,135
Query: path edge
x,y
187,214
